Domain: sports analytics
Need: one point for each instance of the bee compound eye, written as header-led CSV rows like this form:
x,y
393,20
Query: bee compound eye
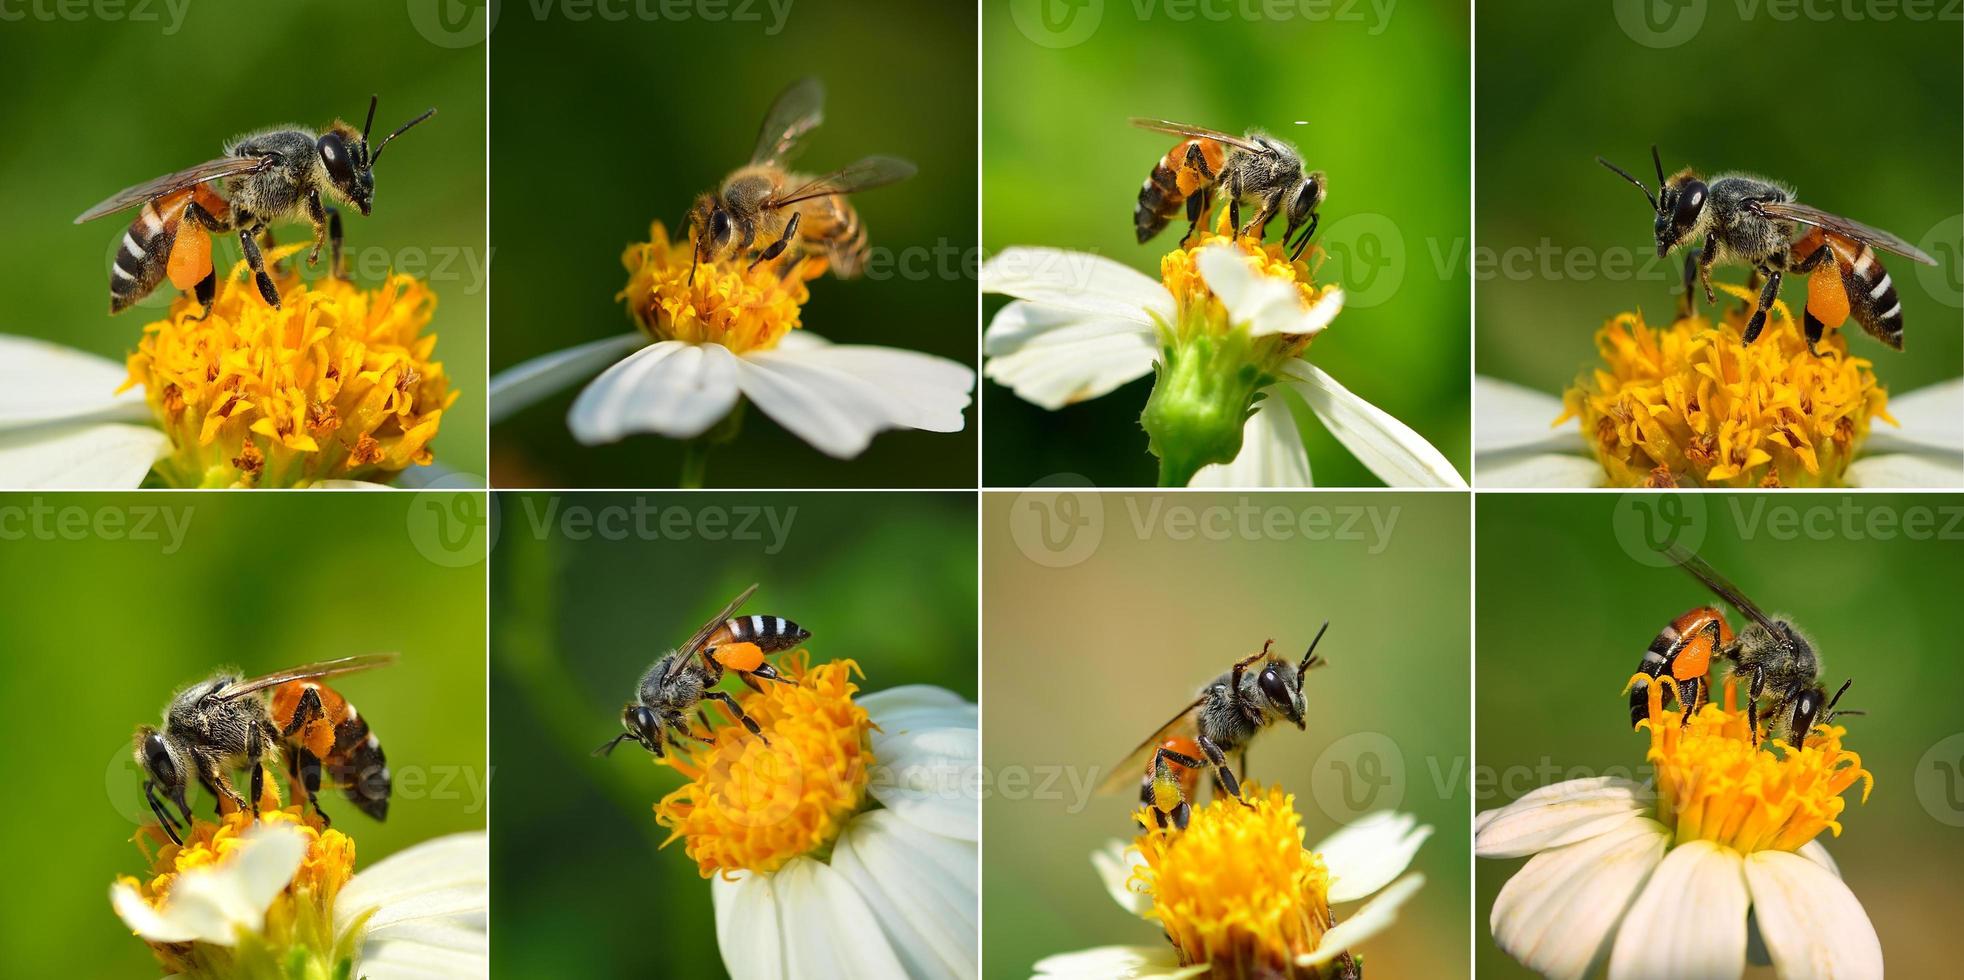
x,y
334,156
1691,201
1273,686
156,757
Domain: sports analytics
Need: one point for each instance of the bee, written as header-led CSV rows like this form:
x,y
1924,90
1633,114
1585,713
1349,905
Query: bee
x,y
763,202
1226,715
1779,661
1752,221
682,678
1256,169
226,723
272,175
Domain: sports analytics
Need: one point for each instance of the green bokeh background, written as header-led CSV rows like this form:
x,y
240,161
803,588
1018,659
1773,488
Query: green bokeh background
x,y
638,117
1865,118
102,628
1386,107
887,580
1882,610
101,104
1085,660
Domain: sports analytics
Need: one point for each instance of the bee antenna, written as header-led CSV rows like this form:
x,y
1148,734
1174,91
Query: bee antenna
x,y
1625,174
1837,695
1309,655
1658,160
370,121
403,129
608,748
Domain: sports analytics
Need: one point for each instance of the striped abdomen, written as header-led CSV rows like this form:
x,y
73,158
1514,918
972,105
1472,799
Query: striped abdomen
x,y
770,634
1855,282
1683,652
1187,169
338,737
159,243
831,226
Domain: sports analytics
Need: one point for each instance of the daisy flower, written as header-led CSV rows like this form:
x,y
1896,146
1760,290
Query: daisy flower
x,y
1690,405
278,897
336,387
846,846
703,345
1669,881
1237,896
1224,332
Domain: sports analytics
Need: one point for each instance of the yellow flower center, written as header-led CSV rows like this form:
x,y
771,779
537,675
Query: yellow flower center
x,y
1200,311
1714,784
1236,890
750,806
335,384
731,302
1691,405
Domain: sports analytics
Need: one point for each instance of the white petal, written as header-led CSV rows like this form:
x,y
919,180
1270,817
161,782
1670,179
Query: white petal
x,y
1932,419
747,926
442,884
1267,305
84,456
1114,863
1510,418
1558,913
910,706
836,412
923,890
1907,471
828,929
212,903
931,777
1569,791
1079,281
1532,470
1117,963
1272,453
519,386
927,392
42,382
1052,357
671,389
1813,851
1374,917
1690,920
1368,853
1532,825
1813,925
1388,447
432,952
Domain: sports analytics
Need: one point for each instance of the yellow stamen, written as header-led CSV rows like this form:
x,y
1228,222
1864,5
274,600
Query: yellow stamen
x,y
750,806
1714,784
731,303
1691,405
1236,890
1199,310
336,384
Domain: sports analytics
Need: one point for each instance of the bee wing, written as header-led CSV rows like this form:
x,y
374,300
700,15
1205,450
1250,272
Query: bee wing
x,y
1845,227
1126,774
130,197
1719,585
1182,129
798,110
866,174
325,668
688,651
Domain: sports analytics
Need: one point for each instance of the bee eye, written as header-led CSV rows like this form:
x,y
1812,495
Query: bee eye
x,y
156,758
334,156
1691,200
719,225
1273,686
640,719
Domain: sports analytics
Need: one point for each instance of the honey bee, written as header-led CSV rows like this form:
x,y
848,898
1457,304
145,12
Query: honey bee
x,y
761,201
682,678
272,175
226,723
1751,221
1779,661
1256,169
1224,718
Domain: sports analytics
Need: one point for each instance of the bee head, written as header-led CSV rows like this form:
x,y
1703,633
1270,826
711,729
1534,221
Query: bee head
x,y
714,230
154,755
1679,202
1813,702
350,166
1282,688
639,724
1301,209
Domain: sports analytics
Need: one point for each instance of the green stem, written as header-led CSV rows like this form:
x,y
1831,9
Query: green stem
x,y
695,462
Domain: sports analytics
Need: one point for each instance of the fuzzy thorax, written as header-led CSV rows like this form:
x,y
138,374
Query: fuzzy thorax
x,y
730,302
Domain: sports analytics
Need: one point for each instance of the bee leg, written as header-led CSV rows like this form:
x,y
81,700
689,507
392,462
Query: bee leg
x,y
1752,703
776,248
1181,814
1309,231
317,213
1222,773
769,673
304,774
703,716
1707,257
750,682
206,290
736,711
1767,295
308,710
1196,206
164,818
1815,328
211,773
258,264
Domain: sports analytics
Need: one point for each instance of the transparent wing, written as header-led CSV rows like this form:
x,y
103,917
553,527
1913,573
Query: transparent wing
x,y
688,651
798,110
130,197
1719,585
868,173
1845,227
1125,775
1182,129
325,668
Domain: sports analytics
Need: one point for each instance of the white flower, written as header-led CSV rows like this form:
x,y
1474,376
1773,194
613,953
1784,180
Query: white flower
x,y
1364,859
899,895
1082,325
1515,443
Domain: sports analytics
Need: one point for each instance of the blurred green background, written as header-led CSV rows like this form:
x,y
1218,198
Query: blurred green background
x,y
102,626
1863,117
1385,103
1094,642
1880,607
887,580
640,117
117,100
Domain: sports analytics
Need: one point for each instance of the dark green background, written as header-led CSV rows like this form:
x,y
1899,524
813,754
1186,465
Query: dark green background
x,y
603,126
887,580
97,105
1086,660
101,629
1565,613
1865,118
1387,120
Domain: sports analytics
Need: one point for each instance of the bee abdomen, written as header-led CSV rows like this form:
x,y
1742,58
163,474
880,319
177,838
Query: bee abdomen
x,y
1872,298
769,633
141,257
1159,200
360,768
1654,661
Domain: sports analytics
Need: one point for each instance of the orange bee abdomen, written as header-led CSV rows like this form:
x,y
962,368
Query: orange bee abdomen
x,y
1682,654
1176,177
337,738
